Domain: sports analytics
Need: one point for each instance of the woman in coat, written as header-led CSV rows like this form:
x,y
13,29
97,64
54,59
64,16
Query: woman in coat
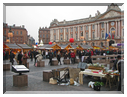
x,y
24,62
58,58
66,55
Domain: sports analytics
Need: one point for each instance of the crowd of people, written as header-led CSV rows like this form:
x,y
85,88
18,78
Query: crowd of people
x,y
21,58
49,54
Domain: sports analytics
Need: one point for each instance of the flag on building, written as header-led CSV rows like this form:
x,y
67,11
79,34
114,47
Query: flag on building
x,y
112,36
106,36
109,35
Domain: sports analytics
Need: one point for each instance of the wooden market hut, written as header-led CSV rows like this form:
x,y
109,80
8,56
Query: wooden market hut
x,y
86,47
51,46
113,48
25,47
15,48
106,48
97,47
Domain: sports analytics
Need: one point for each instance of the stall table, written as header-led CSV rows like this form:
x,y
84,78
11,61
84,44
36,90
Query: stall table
x,y
6,66
66,61
89,72
54,62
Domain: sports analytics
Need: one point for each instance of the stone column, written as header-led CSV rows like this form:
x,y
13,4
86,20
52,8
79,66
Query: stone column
x,y
96,31
51,35
89,31
73,32
78,33
116,30
105,29
119,29
69,33
58,34
64,34
83,27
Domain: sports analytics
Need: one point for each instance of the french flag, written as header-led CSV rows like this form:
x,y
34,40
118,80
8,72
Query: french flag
x,y
109,35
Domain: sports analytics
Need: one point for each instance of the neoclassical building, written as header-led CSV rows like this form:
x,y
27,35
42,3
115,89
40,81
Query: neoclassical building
x,y
91,30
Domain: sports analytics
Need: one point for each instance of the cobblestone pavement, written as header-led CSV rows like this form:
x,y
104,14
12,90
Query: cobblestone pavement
x,y
36,83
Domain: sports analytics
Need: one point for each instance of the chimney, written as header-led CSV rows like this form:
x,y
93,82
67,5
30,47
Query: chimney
x,y
23,26
13,25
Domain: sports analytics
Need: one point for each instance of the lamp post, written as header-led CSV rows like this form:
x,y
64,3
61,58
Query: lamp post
x,y
10,34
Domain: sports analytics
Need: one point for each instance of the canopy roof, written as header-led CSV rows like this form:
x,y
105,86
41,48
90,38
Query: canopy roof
x,y
24,46
86,46
13,46
74,46
48,45
63,46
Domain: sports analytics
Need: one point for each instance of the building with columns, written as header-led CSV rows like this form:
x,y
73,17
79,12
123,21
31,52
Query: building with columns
x,y
91,30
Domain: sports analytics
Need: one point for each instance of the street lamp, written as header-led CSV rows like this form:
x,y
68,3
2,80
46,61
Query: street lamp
x,y
10,34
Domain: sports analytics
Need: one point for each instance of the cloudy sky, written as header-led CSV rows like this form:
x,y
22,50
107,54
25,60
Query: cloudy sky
x,y
33,17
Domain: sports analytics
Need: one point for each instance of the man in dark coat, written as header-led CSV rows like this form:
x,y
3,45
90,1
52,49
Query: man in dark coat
x,y
31,55
12,57
58,58
89,60
35,53
20,57
50,57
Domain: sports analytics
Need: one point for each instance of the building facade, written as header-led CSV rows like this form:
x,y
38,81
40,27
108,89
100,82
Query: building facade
x,y
30,41
91,30
44,35
19,34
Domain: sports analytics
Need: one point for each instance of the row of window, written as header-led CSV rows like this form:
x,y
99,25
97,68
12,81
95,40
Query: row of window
x,y
45,40
44,31
93,35
44,35
81,28
17,32
13,39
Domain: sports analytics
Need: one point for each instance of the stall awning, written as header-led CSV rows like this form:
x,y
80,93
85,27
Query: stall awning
x,y
74,46
24,46
47,46
97,47
86,46
13,46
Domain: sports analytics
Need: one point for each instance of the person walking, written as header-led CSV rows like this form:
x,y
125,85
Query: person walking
x,y
120,68
16,57
58,58
31,55
35,58
44,55
72,57
7,55
4,54
89,60
66,55
24,62
80,55
50,57
12,57
69,54
20,57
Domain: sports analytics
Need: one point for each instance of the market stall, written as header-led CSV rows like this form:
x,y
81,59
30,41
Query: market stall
x,y
25,47
97,47
86,47
113,48
15,48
